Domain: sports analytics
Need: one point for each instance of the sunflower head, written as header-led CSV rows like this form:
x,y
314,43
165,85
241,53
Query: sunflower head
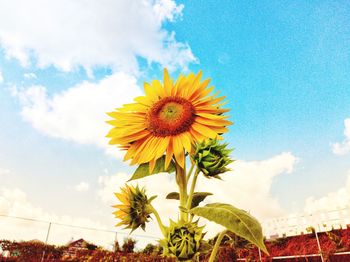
x,y
135,209
183,240
169,119
212,158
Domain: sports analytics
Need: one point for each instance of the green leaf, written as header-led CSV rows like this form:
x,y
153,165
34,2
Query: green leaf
x,y
197,197
143,169
236,220
173,195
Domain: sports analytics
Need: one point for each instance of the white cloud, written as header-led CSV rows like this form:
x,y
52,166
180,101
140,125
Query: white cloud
x,y
4,171
79,113
167,10
247,187
1,77
109,33
343,148
333,200
29,76
82,187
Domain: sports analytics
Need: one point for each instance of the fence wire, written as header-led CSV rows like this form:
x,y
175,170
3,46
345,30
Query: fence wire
x,y
56,233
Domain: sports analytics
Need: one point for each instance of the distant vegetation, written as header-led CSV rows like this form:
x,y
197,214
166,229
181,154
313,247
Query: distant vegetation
x,y
232,247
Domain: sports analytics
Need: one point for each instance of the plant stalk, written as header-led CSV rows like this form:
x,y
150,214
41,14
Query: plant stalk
x,y
159,220
182,183
190,171
217,246
193,186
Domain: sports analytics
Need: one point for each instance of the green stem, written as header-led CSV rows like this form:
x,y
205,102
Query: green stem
x,y
182,183
159,220
193,185
190,172
217,246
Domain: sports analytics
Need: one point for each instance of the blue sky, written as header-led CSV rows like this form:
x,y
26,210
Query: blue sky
x,y
283,66
285,70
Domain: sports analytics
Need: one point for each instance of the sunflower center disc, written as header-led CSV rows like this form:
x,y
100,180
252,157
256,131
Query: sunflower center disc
x,y
170,116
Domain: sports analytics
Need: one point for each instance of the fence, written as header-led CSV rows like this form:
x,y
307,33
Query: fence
x,y
61,233
298,224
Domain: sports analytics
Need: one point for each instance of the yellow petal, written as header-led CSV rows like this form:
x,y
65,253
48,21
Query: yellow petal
x,y
168,85
142,151
186,141
213,122
204,130
194,85
158,88
152,164
197,136
130,138
150,92
144,100
133,107
120,206
122,198
219,129
162,146
209,101
202,88
169,153
179,151
211,116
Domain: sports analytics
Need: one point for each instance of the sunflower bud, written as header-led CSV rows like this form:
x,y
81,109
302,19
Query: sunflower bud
x,y
135,209
212,158
182,240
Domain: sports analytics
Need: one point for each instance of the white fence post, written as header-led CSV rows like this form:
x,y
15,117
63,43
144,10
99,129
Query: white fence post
x,y
47,237
319,246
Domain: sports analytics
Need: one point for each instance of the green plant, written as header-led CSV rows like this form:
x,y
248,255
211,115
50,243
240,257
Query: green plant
x,y
337,240
128,245
149,249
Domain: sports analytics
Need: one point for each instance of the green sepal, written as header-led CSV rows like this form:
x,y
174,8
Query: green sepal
x,y
151,199
143,169
205,247
236,220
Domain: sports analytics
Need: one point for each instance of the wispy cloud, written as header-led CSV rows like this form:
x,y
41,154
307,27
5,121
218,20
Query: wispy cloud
x,y
82,187
4,171
29,76
1,77
14,203
343,147
333,200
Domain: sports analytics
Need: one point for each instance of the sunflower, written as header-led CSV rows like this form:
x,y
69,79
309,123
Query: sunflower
x,y
134,210
169,120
